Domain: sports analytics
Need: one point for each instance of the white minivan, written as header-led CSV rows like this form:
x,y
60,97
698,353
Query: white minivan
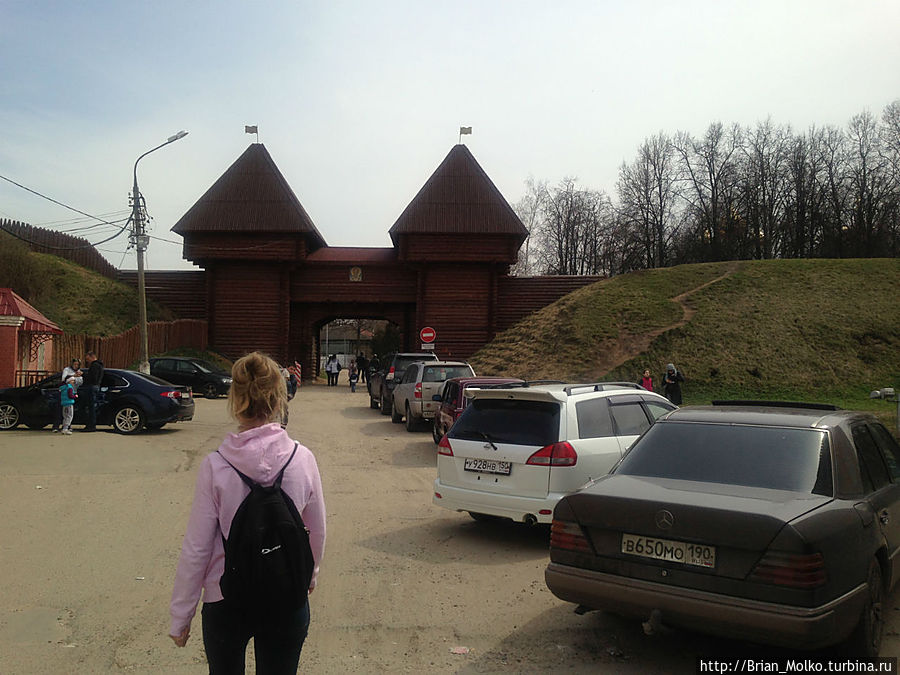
x,y
515,452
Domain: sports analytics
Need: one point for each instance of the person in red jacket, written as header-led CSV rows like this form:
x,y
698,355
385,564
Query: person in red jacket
x,y
646,380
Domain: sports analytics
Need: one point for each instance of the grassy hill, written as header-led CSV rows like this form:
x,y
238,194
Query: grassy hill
x,y
73,297
814,330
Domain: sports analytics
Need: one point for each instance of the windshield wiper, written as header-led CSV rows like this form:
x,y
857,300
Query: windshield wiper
x,y
488,439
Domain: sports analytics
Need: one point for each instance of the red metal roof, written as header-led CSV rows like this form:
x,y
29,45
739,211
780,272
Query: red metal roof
x,y
355,255
11,304
459,198
251,196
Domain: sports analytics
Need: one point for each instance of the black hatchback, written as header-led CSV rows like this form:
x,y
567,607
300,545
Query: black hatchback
x,y
127,400
201,376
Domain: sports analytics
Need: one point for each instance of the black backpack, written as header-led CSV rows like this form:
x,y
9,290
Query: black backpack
x,y
268,560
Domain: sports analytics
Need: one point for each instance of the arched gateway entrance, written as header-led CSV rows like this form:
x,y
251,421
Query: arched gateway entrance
x,y
271,279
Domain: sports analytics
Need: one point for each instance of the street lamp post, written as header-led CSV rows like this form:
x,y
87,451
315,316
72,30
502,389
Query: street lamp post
x,y
141,240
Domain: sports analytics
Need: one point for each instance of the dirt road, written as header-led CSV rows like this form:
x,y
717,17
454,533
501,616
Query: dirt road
x,y
92,523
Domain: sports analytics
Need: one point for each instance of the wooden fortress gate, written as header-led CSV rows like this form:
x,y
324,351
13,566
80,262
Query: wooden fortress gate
x,y
271,281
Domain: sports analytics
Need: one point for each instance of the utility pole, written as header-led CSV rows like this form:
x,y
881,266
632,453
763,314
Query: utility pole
x,y
140,240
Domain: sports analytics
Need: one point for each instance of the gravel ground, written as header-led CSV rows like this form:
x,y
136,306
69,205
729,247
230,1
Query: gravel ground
x,y
92,527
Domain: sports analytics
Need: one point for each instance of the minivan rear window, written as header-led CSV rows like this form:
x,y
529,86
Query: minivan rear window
x,y
513,421
798,460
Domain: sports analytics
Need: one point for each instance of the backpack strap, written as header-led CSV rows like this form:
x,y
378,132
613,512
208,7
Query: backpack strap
x,y
250,482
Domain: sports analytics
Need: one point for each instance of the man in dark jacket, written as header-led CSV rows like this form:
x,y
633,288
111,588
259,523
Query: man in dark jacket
x,y
92,380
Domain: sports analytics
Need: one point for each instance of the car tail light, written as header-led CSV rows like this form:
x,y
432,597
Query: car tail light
x,y
797,570
569,536
556,454
174,394
418,390
390,374
444,447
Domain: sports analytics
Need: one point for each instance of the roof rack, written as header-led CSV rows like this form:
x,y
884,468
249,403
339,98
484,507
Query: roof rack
x,y
603,386
518,385
777,404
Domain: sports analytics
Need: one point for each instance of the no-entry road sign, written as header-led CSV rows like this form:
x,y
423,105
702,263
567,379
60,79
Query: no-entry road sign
x,y
428,334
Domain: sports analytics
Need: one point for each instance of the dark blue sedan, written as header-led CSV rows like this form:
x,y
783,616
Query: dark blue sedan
x,y
128,401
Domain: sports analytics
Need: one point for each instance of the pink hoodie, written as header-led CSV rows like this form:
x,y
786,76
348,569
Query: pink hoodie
x,y
259,453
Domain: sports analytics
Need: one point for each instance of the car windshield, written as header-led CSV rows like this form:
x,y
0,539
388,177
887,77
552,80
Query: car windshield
x,y
516,421
442,373
401,363
798,460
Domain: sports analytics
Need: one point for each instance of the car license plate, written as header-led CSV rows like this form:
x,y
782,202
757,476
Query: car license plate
x,y
667,549
487,466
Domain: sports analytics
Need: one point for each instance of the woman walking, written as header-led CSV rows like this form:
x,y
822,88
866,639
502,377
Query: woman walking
x,y
261,450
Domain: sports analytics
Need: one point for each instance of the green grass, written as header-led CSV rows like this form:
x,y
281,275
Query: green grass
x,y
75,298
807,330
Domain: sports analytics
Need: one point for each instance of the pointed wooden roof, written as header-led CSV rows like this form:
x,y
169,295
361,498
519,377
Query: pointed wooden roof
x,y
251,196
459,198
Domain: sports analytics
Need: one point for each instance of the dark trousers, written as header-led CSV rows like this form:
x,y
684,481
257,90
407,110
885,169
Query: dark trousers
x,y
277,640
91,392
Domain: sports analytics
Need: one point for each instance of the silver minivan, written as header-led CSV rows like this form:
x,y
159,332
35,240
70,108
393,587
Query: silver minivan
x,y
413,396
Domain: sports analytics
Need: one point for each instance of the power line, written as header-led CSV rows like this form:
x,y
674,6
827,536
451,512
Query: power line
x,y
71,208
50,199
66,248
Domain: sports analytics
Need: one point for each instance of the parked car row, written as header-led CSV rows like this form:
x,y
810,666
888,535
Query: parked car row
x,y
777,523
128,401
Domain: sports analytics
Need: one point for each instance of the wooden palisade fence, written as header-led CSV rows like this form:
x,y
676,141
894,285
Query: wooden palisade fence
x,y
123,350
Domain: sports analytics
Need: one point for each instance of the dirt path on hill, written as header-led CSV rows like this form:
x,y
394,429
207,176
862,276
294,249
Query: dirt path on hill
x,y
630,345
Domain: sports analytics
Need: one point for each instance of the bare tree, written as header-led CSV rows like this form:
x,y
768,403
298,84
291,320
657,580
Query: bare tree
x,y
572,229
647,190
709,176
529,211
764,188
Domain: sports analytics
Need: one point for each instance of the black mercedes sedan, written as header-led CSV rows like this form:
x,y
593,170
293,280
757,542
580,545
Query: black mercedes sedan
x,y
766,522
128,401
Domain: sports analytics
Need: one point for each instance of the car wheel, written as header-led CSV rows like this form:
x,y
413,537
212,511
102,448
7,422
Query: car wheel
x,y
411,423
396,417
210,391
128,420
373,404
9,416
435,434
483,517
385,405
865,640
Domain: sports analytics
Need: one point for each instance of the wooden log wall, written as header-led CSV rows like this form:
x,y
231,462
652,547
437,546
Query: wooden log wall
x,y
517,297
182,291
249,309
454,300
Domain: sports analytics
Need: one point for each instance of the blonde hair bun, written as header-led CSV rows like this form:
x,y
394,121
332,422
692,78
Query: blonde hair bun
x,y
258,393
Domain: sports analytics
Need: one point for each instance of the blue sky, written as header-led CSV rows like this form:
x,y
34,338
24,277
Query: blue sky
x,y
359,102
